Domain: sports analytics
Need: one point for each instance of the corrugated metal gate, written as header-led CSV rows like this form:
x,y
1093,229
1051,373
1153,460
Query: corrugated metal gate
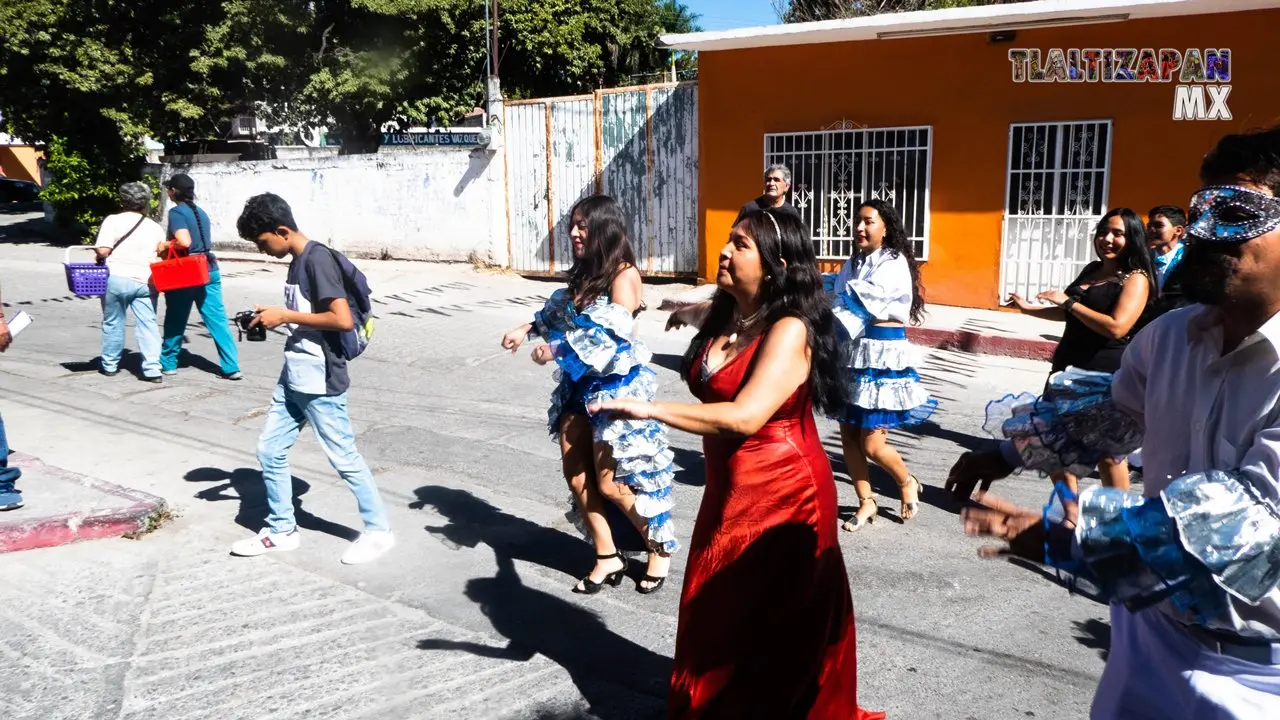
x,y
638,144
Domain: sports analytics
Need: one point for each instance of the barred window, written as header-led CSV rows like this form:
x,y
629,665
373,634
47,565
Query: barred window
x,y
1058,180
835,171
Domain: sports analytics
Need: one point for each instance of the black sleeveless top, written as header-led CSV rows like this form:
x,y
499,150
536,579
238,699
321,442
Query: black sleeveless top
x,y
1080,346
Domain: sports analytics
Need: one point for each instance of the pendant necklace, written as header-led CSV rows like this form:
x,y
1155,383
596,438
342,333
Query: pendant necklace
x,y
742,325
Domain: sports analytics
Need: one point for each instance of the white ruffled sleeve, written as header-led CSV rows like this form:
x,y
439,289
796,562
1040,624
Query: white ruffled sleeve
x,y
886,292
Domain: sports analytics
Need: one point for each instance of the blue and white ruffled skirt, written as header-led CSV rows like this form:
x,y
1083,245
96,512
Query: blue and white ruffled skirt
x,y
884,389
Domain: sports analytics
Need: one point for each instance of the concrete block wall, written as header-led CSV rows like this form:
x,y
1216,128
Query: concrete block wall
x,y
445,204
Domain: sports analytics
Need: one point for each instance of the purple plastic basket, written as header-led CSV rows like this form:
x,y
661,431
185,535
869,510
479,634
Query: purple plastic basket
x,y
85,279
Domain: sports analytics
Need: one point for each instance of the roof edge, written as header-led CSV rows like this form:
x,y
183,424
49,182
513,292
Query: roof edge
x,y
977,19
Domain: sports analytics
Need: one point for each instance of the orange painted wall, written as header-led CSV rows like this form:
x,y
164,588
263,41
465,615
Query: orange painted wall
x,y
19,162
962,86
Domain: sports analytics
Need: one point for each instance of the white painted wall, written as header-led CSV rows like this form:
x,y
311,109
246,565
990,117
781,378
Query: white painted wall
x,y
411,204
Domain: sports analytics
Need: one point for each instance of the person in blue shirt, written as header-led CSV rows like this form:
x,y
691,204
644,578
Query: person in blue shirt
x,y
190,233
10,496
1166,226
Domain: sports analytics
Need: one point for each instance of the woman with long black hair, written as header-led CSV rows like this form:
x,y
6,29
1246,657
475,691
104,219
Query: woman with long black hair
x,y
189,234
1102,307
877,292
766,617
590,332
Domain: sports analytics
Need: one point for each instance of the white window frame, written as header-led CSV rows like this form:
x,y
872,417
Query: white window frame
x,y
1068,245
830,216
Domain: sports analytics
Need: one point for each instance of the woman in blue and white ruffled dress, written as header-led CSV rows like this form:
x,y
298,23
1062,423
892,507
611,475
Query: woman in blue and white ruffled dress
x,y
589,328
875,295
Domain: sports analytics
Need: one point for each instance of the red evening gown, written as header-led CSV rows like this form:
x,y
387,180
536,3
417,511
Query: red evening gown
x,y
766,617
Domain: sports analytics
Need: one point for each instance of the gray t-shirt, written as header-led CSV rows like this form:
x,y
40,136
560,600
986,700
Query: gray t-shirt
x,y
311,364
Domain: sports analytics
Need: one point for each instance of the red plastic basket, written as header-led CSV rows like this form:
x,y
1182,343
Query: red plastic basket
x,y
85,279
177,272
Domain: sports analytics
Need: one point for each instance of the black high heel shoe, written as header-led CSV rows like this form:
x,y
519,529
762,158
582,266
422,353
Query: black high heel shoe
x,y
591,587
658,582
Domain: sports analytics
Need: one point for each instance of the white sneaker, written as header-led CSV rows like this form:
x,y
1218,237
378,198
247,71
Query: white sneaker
x,y
371,545
266,541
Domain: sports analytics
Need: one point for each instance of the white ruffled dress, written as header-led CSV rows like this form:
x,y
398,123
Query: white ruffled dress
x,y
599,359
883,386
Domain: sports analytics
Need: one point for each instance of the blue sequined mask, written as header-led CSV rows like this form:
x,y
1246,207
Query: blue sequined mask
x,y
1228,213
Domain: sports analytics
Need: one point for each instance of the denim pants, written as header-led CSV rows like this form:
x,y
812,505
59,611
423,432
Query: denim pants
x,y
128,294
8,475
208,300
288,413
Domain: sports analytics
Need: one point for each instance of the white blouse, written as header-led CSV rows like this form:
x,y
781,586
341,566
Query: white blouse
x,y
882,282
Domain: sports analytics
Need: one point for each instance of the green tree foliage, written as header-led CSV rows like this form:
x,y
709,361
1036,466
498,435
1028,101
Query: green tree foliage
x,y
101,74
793,11
556,47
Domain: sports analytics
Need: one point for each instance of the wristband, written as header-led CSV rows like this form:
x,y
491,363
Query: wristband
x,y
1070,303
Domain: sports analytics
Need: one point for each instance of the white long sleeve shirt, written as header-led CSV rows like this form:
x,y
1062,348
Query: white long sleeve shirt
x,y
882,282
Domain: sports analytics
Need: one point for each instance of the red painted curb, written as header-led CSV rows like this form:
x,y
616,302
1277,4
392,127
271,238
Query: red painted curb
x,y
973,342
51,531
966,340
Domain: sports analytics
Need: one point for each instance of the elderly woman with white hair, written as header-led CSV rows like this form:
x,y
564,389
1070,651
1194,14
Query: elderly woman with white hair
x,y
126,244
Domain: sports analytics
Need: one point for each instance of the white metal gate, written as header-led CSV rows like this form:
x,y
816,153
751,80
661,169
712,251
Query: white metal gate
x,y
638,144
1058,181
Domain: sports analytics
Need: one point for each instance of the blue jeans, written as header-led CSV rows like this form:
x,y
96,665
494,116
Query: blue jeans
x,y
208,300
128,294
8,475
288,413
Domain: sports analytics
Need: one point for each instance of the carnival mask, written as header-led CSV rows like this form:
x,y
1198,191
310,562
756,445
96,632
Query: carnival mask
x,y
1229,213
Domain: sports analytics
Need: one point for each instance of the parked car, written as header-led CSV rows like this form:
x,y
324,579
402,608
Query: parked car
x,y
18,193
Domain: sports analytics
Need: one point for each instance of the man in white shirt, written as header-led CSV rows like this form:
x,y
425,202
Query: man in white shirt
x,y
1204,382
127,244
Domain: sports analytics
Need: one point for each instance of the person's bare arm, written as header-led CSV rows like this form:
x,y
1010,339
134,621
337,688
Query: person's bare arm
x,y
334,315
6,338
628,290
1128,309
781,366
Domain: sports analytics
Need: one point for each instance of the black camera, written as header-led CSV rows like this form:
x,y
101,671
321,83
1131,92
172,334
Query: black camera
x,y
257,333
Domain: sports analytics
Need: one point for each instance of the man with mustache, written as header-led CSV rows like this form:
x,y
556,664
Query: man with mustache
x,y
1194,568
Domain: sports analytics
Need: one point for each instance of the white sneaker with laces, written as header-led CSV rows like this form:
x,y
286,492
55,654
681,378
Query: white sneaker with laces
x,y
371,545
266,541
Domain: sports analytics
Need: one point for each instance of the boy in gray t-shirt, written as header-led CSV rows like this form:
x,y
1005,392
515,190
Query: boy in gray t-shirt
x,y
313,383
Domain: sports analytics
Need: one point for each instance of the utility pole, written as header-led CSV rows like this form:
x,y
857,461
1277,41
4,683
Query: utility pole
x,y
493,41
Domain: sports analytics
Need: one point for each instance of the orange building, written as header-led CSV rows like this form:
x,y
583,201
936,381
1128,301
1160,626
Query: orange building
x,y
997,131
19,160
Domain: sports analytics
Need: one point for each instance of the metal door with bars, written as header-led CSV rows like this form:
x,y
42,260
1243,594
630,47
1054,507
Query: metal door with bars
x,y
1058,181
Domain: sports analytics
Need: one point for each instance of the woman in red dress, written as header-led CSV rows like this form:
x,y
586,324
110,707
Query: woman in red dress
x,y
766,617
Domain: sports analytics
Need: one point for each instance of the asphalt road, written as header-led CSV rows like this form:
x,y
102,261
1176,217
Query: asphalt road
x,y
471,615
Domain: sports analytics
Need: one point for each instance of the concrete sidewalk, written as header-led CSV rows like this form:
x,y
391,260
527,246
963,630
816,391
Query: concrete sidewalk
x,y
65,507
986,332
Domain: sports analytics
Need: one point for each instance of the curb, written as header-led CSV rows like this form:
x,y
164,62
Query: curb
x,y
980,344
964,340
51,531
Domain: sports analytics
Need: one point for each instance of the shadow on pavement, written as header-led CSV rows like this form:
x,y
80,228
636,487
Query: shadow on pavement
x,y
534,622
35,231
1095,635
691,466
252,494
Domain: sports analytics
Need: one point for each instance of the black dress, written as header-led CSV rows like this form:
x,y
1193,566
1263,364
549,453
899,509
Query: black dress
x,y
1080,346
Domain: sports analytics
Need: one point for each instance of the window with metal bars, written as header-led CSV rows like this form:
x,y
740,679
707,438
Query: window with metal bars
x,y
835,171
